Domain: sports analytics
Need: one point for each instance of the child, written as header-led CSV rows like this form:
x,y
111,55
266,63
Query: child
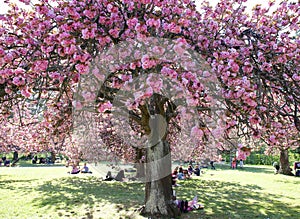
x,y
233,163
241,163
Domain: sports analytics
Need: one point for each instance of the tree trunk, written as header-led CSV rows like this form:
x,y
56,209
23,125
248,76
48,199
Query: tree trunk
x,y
53,156
158,188
140,171
15,156
284,163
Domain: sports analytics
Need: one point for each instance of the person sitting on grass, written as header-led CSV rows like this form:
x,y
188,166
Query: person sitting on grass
x,y
186,174
180,174
197,170
74,170
34,160
7,163
174,178
190,169
85,169
109,176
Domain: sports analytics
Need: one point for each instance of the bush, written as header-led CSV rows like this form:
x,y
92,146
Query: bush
x,y
259,158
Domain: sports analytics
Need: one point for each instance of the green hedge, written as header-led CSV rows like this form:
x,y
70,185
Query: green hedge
x,y
259,158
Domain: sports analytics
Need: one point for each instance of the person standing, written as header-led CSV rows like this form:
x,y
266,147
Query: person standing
x,y
241,163
233,163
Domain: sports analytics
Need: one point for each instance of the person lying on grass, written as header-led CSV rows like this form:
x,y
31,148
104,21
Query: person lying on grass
x,y
119,177
186,206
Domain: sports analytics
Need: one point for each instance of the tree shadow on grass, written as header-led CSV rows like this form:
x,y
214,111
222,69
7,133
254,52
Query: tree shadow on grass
x,y
293,180
10,184
70,193
232,200
221,199
28,164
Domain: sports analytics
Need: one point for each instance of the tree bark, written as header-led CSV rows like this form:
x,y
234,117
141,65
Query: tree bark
x,y
15,156
158,187
140,170
284,163
139,165
53,156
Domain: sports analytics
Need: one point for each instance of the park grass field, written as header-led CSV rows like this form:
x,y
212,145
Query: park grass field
x,y
49,192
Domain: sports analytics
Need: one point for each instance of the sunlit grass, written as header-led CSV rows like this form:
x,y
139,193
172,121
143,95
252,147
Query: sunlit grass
x,y
252,192
49,192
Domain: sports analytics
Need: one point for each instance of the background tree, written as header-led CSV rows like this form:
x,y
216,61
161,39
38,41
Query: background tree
x,y
254,62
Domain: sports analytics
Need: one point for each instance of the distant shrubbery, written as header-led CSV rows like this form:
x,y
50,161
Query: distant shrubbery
x,y
259,158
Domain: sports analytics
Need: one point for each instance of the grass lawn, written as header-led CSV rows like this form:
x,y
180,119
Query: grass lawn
x,y
49,192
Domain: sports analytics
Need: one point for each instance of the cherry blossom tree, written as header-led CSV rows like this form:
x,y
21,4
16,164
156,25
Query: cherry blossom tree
x,y
153,77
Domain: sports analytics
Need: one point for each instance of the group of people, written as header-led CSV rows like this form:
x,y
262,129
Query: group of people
x,y
8,163
76,170
181,174
109,177
234,163
296,168
41,160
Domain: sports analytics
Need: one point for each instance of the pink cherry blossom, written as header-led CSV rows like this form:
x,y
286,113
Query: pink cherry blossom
x,y
26,92
105,106
234,67
179,49
132,22
196,132
296,77
19,81
82,69
243,64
